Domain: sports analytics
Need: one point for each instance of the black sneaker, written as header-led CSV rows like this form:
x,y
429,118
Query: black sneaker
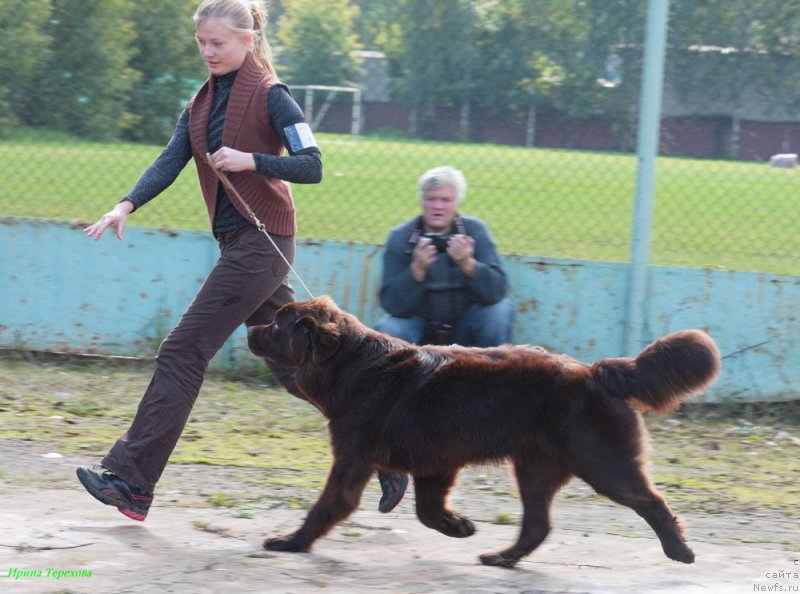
x,y
394,489
108,488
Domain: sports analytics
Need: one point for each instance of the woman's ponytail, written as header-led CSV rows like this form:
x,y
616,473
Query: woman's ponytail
x,y
262,52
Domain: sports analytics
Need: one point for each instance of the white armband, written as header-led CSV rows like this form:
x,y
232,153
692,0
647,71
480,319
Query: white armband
x,y
299,136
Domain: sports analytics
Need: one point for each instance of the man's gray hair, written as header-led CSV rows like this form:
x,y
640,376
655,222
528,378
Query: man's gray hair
x,y
443,176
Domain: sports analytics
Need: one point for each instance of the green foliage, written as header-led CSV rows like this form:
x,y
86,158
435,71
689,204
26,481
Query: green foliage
x,y
124,68
97,68
506,57
88,74
318,41
510,59
581,37
761,25
515,55
275,11
746,49
23,45
430,48
165,57
372,18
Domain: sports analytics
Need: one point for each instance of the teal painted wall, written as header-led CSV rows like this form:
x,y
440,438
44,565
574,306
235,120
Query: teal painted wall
x,y
62,292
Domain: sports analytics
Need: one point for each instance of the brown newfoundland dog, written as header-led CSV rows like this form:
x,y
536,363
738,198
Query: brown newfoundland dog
x,y
430,410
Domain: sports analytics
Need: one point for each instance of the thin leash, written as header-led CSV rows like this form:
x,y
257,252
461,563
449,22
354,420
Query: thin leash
x,y
261,227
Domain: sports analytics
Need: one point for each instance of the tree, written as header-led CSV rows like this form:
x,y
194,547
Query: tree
x,y
583,35
167,64
87,77
504,57
318,41
430,46
746,45
513,74
23,47
373,15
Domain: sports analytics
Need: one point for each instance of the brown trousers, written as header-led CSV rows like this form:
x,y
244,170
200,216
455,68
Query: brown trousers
x,y
247,285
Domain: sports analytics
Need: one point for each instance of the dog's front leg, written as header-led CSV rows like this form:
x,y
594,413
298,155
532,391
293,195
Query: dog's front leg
x,y
431,492
339,499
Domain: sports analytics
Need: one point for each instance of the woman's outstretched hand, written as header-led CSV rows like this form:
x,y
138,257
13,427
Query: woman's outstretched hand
x,y
115,217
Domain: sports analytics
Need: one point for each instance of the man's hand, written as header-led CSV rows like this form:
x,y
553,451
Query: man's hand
x,y
461,249
423,256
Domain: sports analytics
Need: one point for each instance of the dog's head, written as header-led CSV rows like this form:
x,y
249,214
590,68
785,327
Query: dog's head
x,y
306,331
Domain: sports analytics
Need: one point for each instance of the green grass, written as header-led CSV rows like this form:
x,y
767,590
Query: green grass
x,y
550,203
715,459
85,406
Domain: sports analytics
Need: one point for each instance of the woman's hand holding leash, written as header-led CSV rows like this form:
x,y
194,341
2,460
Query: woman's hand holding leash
x,y
233,193
228,159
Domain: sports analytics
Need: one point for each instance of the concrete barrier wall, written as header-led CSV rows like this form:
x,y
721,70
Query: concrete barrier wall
x,y
62,292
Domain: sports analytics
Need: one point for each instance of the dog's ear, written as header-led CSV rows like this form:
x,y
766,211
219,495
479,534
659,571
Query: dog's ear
x,y
327,342
300,340
321,341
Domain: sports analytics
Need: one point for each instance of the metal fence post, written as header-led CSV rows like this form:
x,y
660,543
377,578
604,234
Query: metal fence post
x,y
647,150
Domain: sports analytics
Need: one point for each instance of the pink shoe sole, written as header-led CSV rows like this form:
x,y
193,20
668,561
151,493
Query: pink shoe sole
x,y
132,514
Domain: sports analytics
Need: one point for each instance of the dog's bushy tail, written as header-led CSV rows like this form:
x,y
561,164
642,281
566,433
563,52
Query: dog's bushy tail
x,y
664,374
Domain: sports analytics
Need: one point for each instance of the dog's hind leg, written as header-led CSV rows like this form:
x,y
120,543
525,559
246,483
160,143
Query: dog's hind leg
x,y
538,480
431,493
339,499
625,482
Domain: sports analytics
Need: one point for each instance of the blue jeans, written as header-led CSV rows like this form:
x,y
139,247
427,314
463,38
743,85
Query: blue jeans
x,y
480,325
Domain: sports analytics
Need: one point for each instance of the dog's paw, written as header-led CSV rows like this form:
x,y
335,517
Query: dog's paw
x,y
286,544
456,526
680,553
498,560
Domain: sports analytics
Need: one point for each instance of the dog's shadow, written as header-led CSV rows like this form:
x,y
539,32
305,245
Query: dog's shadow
x,y
405,556
439,570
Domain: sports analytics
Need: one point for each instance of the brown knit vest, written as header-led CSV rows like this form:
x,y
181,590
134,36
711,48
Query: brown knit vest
x,y
248,129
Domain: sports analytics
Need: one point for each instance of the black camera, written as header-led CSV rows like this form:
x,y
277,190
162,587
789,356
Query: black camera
x,y
439,241
438,333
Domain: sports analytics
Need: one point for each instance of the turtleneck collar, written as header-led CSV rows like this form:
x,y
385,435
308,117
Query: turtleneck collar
x,y
225,80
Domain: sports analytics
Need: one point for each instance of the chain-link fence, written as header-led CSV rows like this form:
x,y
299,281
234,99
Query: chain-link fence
x,y
548,183
716,214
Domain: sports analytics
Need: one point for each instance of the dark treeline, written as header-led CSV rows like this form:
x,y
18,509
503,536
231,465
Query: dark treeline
x,y
109,69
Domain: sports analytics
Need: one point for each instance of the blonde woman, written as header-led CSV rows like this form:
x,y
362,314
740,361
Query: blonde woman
x,y
244,118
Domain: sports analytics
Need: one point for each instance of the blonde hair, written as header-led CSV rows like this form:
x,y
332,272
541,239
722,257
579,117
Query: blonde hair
x,y
244,16
443,176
